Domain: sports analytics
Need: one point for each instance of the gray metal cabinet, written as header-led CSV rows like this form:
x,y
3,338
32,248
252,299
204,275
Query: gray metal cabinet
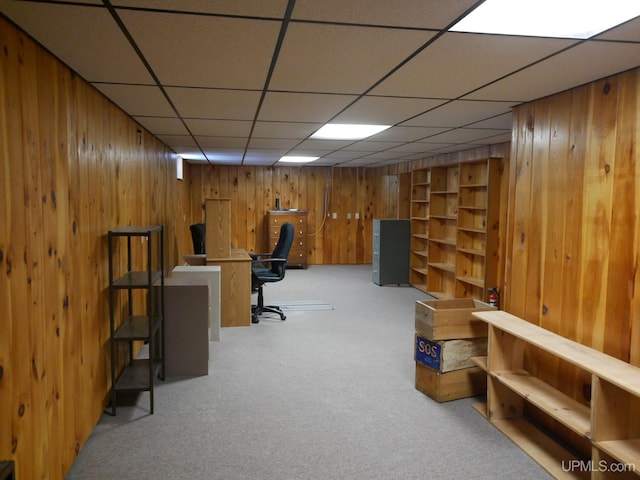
x,y
391,244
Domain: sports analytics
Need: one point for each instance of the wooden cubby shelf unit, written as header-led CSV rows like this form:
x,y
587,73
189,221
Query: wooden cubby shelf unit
x,y
419,258
610,421
455,217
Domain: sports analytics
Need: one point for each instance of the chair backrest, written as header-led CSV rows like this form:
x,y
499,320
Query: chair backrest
x,y
198,236
282,248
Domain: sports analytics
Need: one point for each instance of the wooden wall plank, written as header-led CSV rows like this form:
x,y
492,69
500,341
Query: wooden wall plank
x,y
73,167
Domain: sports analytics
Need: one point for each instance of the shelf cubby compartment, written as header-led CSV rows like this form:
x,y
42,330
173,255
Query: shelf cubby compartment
x,y
474,174
442,266
419,210
472,218
420,177
444,179
444,205
616,429
475,196
609,421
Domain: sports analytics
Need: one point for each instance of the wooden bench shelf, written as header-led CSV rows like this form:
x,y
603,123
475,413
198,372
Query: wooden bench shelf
x,y
608,421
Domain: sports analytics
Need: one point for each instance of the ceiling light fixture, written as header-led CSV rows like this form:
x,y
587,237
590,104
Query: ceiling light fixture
x,y
297,159
578,19
346,131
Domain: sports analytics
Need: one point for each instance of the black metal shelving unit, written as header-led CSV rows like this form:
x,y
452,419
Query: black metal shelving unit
x,y
143,321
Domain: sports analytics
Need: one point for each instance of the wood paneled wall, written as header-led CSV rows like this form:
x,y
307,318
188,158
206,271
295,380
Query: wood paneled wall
x,y
73,166
575,215
320,190
574,221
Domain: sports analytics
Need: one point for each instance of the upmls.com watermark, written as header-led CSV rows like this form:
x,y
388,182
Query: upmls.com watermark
x,y
599,466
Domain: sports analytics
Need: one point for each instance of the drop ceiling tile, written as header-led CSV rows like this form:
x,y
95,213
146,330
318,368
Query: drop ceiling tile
x,y
324,145
272,8
228,156
204,51
284,129
503,121
501,138
371,146
279,143
457,63
302,107
221,142
403,133
629,31
565,70
465,135
137,100
385,110
340,59
85,38
162,125
182,140
436,14
214,104
460,113
222,128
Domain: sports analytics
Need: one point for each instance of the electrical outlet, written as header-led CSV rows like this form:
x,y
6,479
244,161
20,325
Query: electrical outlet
x,y
357,216
335,215
349,216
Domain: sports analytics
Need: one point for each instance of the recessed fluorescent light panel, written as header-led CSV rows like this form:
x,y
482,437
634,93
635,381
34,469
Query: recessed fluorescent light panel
x,y
346,131
548,18
297,159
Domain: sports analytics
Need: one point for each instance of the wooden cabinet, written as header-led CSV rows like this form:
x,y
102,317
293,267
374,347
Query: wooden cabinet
x,y
275,219
455,229
609,421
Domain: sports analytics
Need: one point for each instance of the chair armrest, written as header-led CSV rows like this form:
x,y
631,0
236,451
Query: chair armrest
x,y
270,260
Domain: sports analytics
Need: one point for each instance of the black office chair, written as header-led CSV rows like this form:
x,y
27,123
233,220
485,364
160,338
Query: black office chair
x,y
198,236
270,267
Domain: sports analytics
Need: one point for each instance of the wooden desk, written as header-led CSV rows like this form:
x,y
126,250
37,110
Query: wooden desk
x,y
235,288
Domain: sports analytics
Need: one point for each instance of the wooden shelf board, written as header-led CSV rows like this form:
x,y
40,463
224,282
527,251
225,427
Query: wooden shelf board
x,y
444,217
472,251
443,241
443,266
480,362
420,200
472,207
420,270
420,286
473,185
422,253
478,282
610,369
544,450
444,192
424,236
564,409
625,451
472,230
481,408
420,219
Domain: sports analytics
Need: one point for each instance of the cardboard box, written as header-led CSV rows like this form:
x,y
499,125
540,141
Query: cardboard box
x,y
448,319
448,355
443,387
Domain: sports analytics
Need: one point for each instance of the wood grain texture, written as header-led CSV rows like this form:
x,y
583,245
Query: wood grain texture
x,y
74,166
